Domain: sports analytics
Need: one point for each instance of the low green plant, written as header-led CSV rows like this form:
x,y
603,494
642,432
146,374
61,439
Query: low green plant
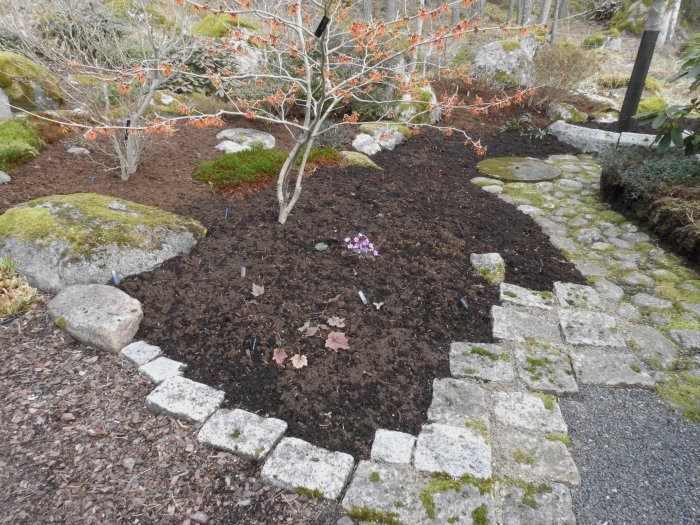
x,y
682,392
525,126
19,142
246,167
661,176
15,292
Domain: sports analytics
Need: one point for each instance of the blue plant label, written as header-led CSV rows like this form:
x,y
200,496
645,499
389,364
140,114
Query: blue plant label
x,y
464,303
116,278
225,214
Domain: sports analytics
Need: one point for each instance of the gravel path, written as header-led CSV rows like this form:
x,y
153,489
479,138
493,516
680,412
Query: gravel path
x,y
639,461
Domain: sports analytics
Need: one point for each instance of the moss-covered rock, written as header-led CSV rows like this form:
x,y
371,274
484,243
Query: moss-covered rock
x,y
632,17
518,169
81,238
566,112
355,158
219,26
651,104
27,84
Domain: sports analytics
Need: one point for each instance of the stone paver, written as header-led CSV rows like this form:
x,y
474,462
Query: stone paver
x,y
651,345
510,324
534,459
552,505
185,399
485,361
602,366
577,296
517,295
393,447
609,291
297,464
140,352
161,369
453,450
649,301
545,368
460,506
242,433
489,266
456,401
584,327
688,339
527,411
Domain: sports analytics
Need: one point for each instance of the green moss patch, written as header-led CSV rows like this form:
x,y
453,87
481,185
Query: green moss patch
x,y
219,26
367,515
371,127
443,482
562,438
87,221
17,74
19,142
355,158
518,169
547,400
682,393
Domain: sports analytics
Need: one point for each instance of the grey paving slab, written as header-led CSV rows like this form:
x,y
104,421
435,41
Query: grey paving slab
x,y
649,301
185,399
545,368
577,296
534,459
585,327
140,352
390,446
390,489
589,269
517,295
490,266
688,339
162,368
550,505
650,344
453,450
242,433
485,361
297,464
510,324
602,366
464,505
524,410
456,401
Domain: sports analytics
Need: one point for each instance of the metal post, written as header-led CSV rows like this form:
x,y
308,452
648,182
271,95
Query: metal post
x,y
639,75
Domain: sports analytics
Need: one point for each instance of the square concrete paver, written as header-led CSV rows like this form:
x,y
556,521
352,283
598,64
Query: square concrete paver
x,y
453,450
141,352
243,433
459,506
584,327
185,399
297,464
393,447
545,368
551,505
600,366
481,360
162,368
527,411
456,402
534,459
577,296
519,296
510,324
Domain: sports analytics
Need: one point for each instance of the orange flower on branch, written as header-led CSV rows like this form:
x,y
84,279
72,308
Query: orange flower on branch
x,y
90,135
447,132
351,118
123,88
182,109
166,69
250,115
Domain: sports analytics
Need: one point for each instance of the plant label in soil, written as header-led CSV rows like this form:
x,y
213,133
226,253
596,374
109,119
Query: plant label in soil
x,y
243,271
362,297
116,278
464,303
225,214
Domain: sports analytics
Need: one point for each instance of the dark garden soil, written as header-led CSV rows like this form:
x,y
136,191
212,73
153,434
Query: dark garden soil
x,y
422,214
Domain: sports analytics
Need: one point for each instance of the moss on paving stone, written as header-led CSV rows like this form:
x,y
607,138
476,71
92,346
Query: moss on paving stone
x,y
547,400
510,169
522,457
478,426
374,477
443,482
477,350
480,515
309,493
562,438
493,276
374,516
371,127
682,393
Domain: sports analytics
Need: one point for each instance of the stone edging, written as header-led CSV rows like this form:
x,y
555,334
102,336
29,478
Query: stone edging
x,y
591,140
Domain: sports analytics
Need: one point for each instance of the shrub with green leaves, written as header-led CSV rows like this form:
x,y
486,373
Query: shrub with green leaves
x,y
19,142
661,176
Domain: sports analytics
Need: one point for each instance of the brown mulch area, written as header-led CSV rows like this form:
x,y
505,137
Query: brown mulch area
x,y
425,219
80,447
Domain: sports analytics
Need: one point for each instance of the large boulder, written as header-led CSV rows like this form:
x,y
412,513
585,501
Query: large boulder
x,y
28,85
64,240
507,63
566,112
97,315
5,110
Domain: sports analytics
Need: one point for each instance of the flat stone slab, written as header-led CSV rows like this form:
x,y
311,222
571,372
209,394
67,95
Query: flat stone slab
x,y
517,295
453,450
688,339
185,399
545,368
297,464
527,411
553,506
510,324
577,296
393,447
97,315
242,433
534,459
485,361
651,345
162,368
649,301
584,327
489,266
518,169
140,352
456,402
459,506
609,291
247,138
391,489
600,366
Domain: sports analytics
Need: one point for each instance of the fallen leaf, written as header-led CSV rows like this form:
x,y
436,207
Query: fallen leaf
x,y
258,290
279,355
378,305
336,321
311,331
333,300
337,341
299,361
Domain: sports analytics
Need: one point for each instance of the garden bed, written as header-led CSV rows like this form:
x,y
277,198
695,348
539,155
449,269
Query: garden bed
x,y
420,211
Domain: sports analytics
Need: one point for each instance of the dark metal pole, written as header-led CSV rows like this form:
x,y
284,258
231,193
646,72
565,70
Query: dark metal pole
x,y
639,75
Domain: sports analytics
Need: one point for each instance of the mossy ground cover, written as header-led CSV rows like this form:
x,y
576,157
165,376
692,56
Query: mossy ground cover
x,y
19,142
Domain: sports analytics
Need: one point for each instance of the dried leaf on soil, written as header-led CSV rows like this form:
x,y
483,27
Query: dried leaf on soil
x,y
337,322
258,290
299,361
337,341
333,300
279,355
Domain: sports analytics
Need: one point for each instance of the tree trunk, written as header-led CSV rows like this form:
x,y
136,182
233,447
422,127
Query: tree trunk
x,y
544,15
455,15
391,11
366,10
633,95
563,9
511,10
527,12
673,22
519,19
555,22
